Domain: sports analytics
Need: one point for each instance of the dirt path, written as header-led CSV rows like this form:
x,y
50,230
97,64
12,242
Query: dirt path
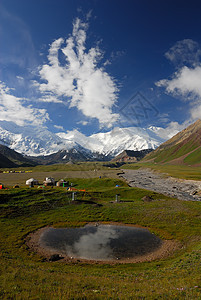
x,y
161,183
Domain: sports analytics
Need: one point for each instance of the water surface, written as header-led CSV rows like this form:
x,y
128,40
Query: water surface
x,y
102,242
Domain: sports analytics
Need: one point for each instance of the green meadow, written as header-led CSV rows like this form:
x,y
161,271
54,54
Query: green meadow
x,y
27,275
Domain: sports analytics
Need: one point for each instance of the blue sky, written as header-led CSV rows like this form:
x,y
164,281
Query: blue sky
x,y
96,64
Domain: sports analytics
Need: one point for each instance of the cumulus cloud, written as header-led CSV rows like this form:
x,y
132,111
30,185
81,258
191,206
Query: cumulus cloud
x,y
186,81
13,109
73,76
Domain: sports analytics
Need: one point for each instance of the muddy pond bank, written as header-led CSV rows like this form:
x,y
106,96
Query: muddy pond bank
x,y
100,244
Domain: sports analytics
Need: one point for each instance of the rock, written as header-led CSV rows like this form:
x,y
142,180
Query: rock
x,y
147,198
55,257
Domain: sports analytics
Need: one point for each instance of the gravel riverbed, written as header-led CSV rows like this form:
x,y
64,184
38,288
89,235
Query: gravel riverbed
x,y
189,190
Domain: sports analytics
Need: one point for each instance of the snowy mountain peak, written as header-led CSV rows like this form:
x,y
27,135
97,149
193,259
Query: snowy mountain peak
x,y
116,140
40,141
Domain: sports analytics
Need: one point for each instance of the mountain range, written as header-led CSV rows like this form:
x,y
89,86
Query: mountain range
x,y
125,144
35,141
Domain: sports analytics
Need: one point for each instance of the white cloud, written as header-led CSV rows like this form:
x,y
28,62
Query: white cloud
x,y
80,81
84,123
20,77
196,111
59,127
50,98
186,82
12,109
89,14
107,62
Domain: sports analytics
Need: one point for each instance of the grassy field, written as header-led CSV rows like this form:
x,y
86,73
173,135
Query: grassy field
x,y
26,275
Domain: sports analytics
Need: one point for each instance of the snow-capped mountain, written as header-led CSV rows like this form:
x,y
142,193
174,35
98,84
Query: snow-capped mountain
x,y
29,140
116,140
35,141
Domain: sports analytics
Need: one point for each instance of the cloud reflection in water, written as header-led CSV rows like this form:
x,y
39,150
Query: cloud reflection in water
x,y
103,242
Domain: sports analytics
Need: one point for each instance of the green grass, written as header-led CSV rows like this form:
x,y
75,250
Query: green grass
x,y
25,275
96,183
194,157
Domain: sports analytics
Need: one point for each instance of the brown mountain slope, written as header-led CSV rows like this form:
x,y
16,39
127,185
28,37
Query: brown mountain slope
x,y
184,147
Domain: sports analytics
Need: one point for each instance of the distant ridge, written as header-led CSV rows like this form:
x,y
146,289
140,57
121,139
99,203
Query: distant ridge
x,y
6,163
183,148
10,158
72,155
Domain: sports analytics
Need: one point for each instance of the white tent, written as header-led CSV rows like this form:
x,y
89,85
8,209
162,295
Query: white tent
x,y
31,181
49,181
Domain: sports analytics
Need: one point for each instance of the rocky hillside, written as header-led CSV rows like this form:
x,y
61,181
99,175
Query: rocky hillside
x,y
131,156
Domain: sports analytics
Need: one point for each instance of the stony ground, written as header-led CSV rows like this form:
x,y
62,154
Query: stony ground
x,y
161,183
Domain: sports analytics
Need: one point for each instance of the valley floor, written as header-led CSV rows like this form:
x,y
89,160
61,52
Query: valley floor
x,y
25,274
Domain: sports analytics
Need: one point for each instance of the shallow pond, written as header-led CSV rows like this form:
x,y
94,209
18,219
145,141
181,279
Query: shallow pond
x,y
100,242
